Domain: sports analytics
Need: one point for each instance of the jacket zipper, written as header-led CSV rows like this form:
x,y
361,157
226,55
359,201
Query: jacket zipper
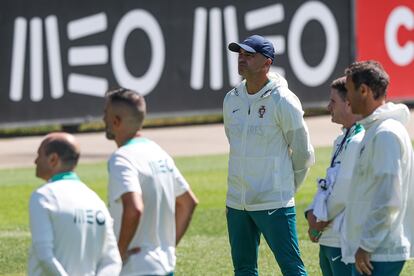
x,y
246,129
243,197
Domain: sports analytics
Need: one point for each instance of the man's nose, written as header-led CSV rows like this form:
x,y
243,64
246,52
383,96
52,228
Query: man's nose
x,y
329,107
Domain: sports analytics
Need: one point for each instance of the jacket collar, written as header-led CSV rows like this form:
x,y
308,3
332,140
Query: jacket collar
x,y
265,92
388,110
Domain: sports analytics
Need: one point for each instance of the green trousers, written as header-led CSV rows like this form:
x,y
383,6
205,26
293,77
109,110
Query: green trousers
x,y
279,230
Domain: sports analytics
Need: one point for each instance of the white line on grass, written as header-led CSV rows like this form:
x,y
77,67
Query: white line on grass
x,y
14,234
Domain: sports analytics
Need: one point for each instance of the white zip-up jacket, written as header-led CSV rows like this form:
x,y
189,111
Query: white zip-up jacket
x,y
270,150
335,202
380,206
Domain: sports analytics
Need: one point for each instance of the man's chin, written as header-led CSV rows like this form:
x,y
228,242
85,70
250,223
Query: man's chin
x,y
109,136
355,110
42,176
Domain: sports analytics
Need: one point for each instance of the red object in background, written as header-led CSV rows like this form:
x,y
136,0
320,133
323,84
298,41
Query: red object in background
x,y
385,32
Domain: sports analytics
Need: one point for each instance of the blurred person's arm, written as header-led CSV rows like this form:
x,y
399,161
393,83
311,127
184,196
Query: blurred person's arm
x,y
42,235
303,156
124,181
133,208
290,115
110,262
337,200
387,201
184,209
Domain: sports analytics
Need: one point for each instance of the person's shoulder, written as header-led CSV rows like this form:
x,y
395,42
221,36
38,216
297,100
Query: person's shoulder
x,y
136,151
92,194
279,85
44,188
389,130
357,138
283,97
44,191
116,157
284,93
280,88
121,152
235,91
390,125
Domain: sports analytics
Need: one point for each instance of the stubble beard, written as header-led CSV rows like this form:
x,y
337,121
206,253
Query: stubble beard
x,y
354,109
109,135
40,174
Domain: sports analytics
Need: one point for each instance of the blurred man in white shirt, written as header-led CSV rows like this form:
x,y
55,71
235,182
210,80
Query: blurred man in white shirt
x,y
72,231
149,199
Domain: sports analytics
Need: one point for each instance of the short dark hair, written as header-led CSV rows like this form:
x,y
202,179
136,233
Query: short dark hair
x,y
339,85
370,73
67,153
130,98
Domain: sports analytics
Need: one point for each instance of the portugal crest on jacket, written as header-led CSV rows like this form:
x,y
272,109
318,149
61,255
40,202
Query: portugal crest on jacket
x,y
262,111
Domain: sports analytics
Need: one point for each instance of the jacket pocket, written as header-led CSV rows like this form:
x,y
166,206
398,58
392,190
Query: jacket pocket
x,y
261,176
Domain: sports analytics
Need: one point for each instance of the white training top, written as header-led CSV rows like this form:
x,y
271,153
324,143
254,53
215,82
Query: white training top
x,y
380,203
270,149
345,157
142,166
72,231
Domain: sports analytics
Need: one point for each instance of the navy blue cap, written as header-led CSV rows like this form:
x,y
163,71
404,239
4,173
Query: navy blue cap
x,y
255,44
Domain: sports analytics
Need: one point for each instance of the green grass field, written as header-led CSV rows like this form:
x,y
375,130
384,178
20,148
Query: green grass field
x,y
204,250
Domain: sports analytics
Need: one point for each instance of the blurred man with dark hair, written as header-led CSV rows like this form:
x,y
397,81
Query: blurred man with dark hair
x,y
379,227
72,231
150,200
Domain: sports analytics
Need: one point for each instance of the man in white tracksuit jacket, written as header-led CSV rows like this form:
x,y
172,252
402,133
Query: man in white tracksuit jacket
x,y
379,226
270,153
325,214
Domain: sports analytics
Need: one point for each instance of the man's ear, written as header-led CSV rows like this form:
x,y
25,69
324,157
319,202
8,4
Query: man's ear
x,y
365,90
117,120
268,62
348,106
53,160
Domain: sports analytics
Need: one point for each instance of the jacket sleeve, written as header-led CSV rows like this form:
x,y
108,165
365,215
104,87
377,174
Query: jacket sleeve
x,y
387,198
225,115
312,205
290,116
123,178
42,235
337,199
110,262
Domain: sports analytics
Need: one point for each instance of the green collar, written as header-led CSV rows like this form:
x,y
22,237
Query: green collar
x,y
355,129
358,128
64,176
136,140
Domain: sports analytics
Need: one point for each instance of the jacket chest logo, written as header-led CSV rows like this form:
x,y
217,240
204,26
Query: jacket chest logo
x,y
262,111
